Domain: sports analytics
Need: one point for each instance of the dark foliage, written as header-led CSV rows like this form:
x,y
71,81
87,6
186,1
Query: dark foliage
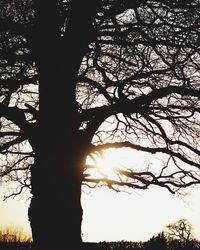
x,y
155,243
15,246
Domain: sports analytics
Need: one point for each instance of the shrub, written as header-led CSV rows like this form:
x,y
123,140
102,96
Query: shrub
x,y
14,235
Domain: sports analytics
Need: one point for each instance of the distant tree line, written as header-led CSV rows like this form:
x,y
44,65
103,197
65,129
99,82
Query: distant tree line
x,y
176,236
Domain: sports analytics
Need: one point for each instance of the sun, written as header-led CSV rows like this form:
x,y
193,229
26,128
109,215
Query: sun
x,y
105,163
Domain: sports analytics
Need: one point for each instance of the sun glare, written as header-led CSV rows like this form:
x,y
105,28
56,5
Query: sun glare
x,y
104,164
107,164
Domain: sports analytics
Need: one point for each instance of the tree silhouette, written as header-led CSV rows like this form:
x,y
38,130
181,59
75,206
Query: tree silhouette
x,y
157,242
180,234
181,230
79,77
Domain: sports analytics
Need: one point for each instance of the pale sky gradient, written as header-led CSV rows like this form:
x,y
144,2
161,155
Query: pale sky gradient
x,y
137,216
112,216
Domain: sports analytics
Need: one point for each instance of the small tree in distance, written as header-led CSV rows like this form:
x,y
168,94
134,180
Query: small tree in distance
x,y
79,77
180,235
181,230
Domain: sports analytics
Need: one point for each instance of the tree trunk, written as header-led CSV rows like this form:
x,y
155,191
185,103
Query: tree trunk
x,y
55,212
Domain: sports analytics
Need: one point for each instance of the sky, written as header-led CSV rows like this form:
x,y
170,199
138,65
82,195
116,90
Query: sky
x,y
135,215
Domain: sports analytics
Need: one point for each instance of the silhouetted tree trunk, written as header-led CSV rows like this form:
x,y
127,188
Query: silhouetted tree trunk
x,y
55,212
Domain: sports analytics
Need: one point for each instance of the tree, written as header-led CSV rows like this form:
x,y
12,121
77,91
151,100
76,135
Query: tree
x,y
181,230
157,242
78,77
180,234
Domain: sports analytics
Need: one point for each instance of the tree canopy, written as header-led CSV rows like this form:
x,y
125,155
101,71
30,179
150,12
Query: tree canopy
x,y
138,86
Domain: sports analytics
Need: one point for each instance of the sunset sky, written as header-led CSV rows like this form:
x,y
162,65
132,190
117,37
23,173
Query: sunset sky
x,y
134,215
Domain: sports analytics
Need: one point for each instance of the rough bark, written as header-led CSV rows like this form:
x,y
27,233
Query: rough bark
x,y
55,212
